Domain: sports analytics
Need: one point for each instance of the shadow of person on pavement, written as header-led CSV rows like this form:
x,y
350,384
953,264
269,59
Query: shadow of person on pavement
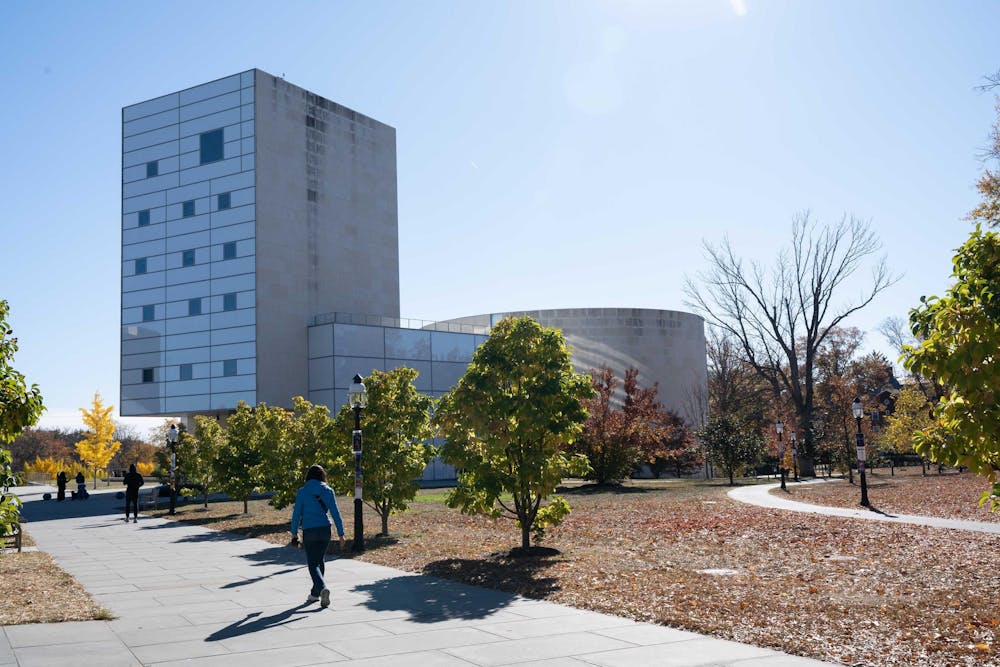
x,y
251,623
430,600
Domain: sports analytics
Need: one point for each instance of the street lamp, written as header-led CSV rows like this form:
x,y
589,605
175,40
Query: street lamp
x,y
172,442
795,457
357,398
859,412
779,428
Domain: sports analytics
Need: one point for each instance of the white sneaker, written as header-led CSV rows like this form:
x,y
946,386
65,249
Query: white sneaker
x,y
325,598
312,598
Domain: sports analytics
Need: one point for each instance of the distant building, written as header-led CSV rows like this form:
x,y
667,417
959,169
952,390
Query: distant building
x,y
251,210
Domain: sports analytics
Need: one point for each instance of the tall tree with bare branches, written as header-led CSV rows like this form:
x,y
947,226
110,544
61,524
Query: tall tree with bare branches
x,y
780,316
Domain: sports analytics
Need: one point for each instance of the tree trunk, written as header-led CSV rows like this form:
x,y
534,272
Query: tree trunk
x,y
731,481
204,497
525,534
385,522
245,509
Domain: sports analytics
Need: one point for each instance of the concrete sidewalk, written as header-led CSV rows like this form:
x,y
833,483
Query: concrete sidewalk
x,y
193,596
760,495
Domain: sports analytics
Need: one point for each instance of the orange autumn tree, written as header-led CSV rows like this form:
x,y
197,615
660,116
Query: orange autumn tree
x,y
97,448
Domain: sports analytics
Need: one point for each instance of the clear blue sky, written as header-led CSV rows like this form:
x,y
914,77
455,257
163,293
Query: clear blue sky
x,y
550,154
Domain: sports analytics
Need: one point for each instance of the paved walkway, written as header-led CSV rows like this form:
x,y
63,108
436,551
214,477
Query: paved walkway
x,y
194,596
760,495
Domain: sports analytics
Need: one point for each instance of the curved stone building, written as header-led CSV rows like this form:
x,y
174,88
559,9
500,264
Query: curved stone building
x,y
666,346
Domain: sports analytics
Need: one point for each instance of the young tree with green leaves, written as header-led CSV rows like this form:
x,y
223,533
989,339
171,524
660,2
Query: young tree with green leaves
x,y
731,444
959,339
396,426
198,451
507,421
310,438
238,468
20,405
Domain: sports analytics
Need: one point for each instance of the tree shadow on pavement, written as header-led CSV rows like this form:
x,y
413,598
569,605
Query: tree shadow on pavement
x,y
525,576
254,622
431,600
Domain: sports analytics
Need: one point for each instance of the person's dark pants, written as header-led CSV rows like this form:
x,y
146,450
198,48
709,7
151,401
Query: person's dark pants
x,y
81,492
315,542
61,495
132,500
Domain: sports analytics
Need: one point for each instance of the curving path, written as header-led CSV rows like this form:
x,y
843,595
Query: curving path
x,y
760,495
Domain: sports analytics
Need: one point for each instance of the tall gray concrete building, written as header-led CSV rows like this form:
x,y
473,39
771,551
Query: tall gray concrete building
x,y
249,205
260,261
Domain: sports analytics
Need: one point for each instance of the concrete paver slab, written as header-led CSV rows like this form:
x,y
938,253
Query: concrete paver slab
x,y
109,653
514,651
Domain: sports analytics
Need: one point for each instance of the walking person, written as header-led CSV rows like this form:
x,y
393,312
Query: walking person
x,y
315,503
132,482
61,481
81,487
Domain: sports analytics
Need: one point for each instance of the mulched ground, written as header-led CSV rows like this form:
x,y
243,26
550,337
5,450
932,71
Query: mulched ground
x,y
830,588
948,494
33,589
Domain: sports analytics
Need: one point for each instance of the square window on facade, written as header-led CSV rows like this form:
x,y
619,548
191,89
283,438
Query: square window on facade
x,y
187,371
310,121
187,209
194,306
229,301
211,147
143,218
148,313
140,266
229,367
311,195
147,375
187,258
225,201
152,169
229,250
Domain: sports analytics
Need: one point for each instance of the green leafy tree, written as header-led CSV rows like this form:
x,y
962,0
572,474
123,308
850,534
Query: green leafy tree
x,y
198,451
731,444
396,427
506,422
959,339
310,438
238,466
10,505
909,416
20,405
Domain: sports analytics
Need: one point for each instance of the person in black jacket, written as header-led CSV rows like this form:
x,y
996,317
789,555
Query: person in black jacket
x,y
61,481
132,482
81,487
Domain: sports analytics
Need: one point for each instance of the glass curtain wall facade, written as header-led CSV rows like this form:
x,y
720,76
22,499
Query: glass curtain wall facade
x,y
188,253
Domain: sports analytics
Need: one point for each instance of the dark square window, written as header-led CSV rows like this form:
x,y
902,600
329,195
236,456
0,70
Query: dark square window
x,y
148,313
229,301
147,375
229,367
229,250
225,201
187,258
140,265
310,195
143,218
187,371
194,306
187,209
152,169
211,146
310,121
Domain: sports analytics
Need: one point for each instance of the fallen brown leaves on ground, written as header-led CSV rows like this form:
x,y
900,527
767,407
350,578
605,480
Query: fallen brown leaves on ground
x,y
36,590
843,590
948,494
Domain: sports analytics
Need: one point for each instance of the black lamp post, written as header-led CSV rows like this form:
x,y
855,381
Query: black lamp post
x,y
795,457
172,442
859,412
779,428
357,398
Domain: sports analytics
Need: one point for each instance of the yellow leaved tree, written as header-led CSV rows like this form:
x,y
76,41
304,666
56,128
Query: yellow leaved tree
x,y
98,447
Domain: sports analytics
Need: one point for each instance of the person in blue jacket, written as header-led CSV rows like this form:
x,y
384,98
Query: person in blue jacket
x,y
314,504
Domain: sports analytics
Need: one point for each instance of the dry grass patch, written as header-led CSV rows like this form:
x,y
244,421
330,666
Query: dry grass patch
x,y
950,495
836,589
36,590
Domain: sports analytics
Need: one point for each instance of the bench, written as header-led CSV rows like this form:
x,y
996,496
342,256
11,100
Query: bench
x,y
12,541
149,497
